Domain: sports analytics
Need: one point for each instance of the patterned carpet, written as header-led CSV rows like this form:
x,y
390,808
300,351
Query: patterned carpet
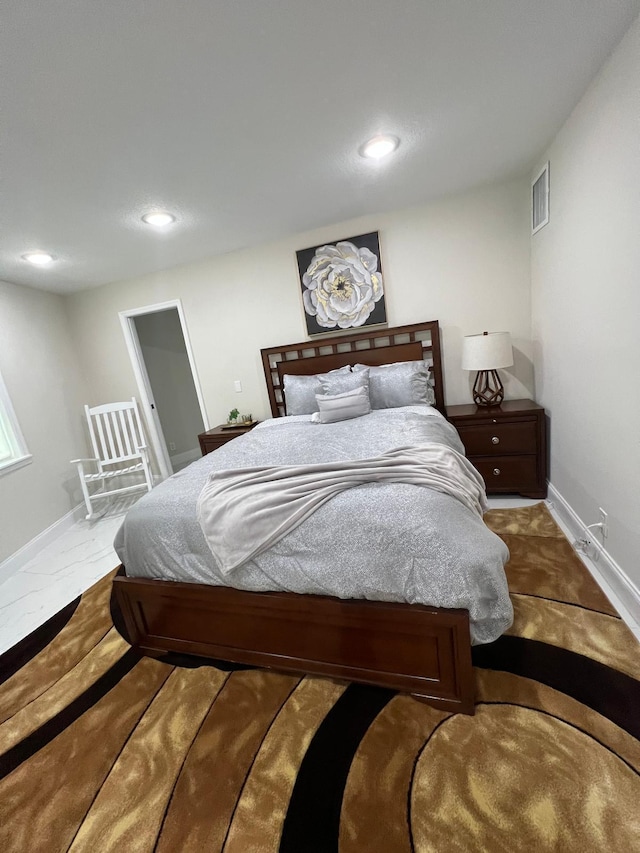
x,y
101,750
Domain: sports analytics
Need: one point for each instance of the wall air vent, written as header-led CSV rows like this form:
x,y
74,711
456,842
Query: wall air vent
x,y
540,199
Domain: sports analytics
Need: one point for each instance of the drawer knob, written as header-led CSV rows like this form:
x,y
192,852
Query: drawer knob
x,y
496,472
495,440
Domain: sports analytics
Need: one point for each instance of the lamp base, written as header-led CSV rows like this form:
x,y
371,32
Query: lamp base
x,y
488,389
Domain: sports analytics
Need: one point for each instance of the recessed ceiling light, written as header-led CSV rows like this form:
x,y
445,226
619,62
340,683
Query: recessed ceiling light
x,y
40,259
159,218
379,146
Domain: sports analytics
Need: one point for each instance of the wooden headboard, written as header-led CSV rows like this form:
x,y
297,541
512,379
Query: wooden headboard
x,y
373,347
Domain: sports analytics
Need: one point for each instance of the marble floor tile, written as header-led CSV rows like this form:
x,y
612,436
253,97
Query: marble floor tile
x,y
57,575
508,501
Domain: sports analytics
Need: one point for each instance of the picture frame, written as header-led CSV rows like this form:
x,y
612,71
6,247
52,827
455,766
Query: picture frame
x,y
342,285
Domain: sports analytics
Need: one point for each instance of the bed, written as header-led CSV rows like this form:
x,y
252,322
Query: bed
x,y
370,628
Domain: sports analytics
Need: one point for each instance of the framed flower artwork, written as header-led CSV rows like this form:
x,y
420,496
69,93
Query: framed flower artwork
x,y
342,285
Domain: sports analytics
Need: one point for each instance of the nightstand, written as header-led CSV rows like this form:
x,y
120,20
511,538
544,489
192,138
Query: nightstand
x,y
507,444
214,438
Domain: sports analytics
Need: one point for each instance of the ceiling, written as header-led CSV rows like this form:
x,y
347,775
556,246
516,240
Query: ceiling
x,y
244,117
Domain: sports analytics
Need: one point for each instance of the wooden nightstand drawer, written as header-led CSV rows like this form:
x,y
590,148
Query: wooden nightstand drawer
x,y
216,437
499,438
507,473
507,444
213,442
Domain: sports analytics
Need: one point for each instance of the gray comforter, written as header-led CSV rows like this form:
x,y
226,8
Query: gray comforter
x,y
379,541
244,511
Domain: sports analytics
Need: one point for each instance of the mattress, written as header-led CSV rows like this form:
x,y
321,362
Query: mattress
x,y
386,542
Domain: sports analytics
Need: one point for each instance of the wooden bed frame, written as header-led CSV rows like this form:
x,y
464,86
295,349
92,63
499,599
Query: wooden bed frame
x,y
424,651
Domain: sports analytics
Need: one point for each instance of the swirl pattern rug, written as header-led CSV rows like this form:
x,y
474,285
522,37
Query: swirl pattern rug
x,y
103,750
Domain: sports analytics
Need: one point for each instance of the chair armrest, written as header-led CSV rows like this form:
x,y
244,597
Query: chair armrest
x,y
80,463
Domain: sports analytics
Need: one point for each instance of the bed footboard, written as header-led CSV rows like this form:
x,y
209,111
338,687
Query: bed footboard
x,y
424,651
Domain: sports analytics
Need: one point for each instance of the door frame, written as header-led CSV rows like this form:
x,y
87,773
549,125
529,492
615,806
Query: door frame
x,y
156,436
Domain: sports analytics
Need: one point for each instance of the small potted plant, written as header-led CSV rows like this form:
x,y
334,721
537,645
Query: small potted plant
x,y
233,416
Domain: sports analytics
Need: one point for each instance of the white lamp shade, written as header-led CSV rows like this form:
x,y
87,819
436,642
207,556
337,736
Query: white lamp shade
x,y
487,352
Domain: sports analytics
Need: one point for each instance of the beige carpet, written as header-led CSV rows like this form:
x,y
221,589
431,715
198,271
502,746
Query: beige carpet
x,y
101,750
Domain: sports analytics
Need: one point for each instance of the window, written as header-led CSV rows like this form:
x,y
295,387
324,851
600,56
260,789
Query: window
x,y
13,450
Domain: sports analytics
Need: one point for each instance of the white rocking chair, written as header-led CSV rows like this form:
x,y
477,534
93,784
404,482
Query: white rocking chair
x,y
120,451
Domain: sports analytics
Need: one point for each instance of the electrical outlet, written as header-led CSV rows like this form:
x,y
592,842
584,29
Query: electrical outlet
x,y
172,445
237,386
590,550
604,521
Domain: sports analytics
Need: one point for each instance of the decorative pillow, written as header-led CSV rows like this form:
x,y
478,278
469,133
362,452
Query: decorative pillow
x,y
338,383
341,407
300,391
403,383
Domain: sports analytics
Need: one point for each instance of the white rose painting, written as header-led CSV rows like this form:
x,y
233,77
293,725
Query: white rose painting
x,y
342,285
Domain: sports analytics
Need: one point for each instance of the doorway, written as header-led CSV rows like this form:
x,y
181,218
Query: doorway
x,y
170,394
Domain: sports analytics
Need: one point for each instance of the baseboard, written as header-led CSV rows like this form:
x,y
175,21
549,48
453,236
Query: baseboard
x,y
602,566
186,456
21,557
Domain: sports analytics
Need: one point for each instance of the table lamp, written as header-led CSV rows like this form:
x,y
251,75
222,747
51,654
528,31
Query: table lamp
x,y
486,353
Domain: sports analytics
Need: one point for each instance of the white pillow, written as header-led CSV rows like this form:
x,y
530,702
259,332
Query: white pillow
x,y
342,407
403,383
300,391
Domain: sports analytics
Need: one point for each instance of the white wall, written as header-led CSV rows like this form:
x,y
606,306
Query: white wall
x,y
45,385
463,261
586,304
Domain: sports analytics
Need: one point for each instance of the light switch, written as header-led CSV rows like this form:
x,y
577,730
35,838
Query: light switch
x,y
237,385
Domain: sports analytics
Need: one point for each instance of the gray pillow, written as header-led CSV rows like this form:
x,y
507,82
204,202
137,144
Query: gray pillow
x,y
338,383
300,391
342,407
403,383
